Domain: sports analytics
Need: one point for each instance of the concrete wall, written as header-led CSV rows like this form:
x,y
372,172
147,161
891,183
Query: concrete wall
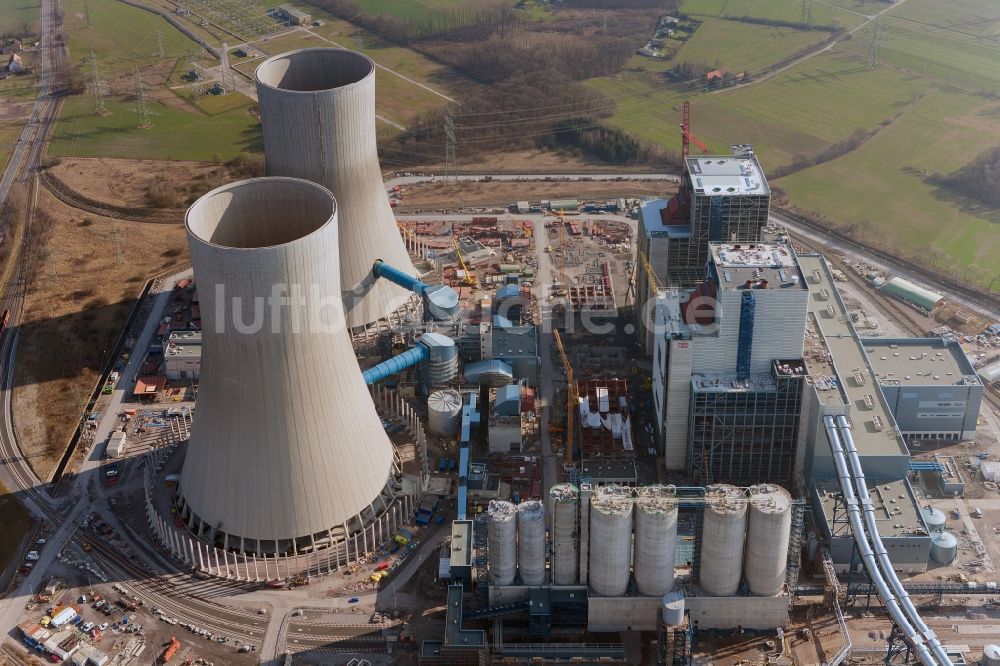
x,y
730,612
925,411
623,613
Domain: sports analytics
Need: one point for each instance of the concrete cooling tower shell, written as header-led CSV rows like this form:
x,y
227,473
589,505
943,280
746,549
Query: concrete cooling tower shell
x,y
318,116
287,452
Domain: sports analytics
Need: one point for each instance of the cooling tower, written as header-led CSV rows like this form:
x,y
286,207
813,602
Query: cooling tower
x,y
318,115
287,452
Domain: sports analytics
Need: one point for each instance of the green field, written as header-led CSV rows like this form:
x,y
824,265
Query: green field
x,y
411,9
744,46
175,134
120,35
932,100
779,10
17,13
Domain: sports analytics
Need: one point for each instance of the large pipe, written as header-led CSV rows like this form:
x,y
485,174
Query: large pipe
x,y
317,111
844,428
864,547
440,301
438,350
288,452
409,358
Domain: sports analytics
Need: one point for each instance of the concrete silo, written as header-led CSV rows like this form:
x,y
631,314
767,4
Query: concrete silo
x,y
531,542
564,500
768,531
287,453
502,542
655,540
444,412
723,530
318,116
610,541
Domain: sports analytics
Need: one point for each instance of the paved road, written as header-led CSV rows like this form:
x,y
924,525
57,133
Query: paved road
x,y
550,474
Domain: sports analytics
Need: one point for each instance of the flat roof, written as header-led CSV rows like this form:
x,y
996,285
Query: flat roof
x,y
920,362
183,344
652,220
461,543
727,175
874,428
454,634
514,342
763,265
725,383
895,508
609,470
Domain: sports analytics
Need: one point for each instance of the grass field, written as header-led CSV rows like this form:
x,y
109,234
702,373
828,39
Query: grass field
x,y
15,13
175,134
414,9
778,10
121,36
743,46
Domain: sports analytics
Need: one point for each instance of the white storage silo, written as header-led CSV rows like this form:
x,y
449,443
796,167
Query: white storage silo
x,y
610,541
944,548
722,534
768,531
564,500
531,542
991,655
444,412
655,540
502,542
934,519
672,611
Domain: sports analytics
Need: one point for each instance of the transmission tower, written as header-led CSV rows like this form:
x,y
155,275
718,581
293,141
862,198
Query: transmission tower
x,y
141,109
97,86
876,37
158,38
807,12
450,169
359,40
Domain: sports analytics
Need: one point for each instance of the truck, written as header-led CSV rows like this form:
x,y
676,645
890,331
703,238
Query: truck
x,y
171,650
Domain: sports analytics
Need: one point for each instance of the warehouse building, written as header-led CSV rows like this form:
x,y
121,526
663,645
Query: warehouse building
x,y
930,386
293,16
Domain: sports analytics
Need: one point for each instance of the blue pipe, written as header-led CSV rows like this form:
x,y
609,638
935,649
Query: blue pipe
x,y
409,358
396,276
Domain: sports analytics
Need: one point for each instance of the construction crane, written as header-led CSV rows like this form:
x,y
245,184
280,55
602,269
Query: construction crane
x,y
470,279
572,396
653,281
687,138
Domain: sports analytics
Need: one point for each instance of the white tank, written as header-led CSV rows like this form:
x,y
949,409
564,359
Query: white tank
x,y
723,530
610,541
655,540
934,518
944,548
502,542
444,412
673,608
564,502
991,655
531,542
768,531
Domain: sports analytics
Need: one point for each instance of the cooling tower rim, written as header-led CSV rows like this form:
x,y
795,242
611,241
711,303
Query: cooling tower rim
x,y
196,233
325,50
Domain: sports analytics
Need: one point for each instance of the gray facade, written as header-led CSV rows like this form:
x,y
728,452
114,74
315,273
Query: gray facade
x,y
930,386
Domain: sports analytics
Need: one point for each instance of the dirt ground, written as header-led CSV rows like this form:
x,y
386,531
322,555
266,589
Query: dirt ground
x,y
142,183
87,271
532,160
439,195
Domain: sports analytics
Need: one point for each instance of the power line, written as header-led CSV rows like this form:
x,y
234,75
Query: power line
x,y
450,167
873,54
141,109
97,86
158,37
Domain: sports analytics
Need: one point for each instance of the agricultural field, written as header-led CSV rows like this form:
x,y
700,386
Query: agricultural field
x,y
175,134
929,107
738,46
120,36
15,14
778,10
415,9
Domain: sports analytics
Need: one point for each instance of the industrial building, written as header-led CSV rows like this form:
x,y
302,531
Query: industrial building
x,y
722,198
293,16
749,312
929,384
182,355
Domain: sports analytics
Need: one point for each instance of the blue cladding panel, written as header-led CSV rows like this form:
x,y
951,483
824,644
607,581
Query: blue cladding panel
x,y
745,350
715,210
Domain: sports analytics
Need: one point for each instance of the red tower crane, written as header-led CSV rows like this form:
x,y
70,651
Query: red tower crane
x,y
686,137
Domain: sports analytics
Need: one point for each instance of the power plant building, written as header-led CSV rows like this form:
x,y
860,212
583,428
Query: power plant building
x,y
749,312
